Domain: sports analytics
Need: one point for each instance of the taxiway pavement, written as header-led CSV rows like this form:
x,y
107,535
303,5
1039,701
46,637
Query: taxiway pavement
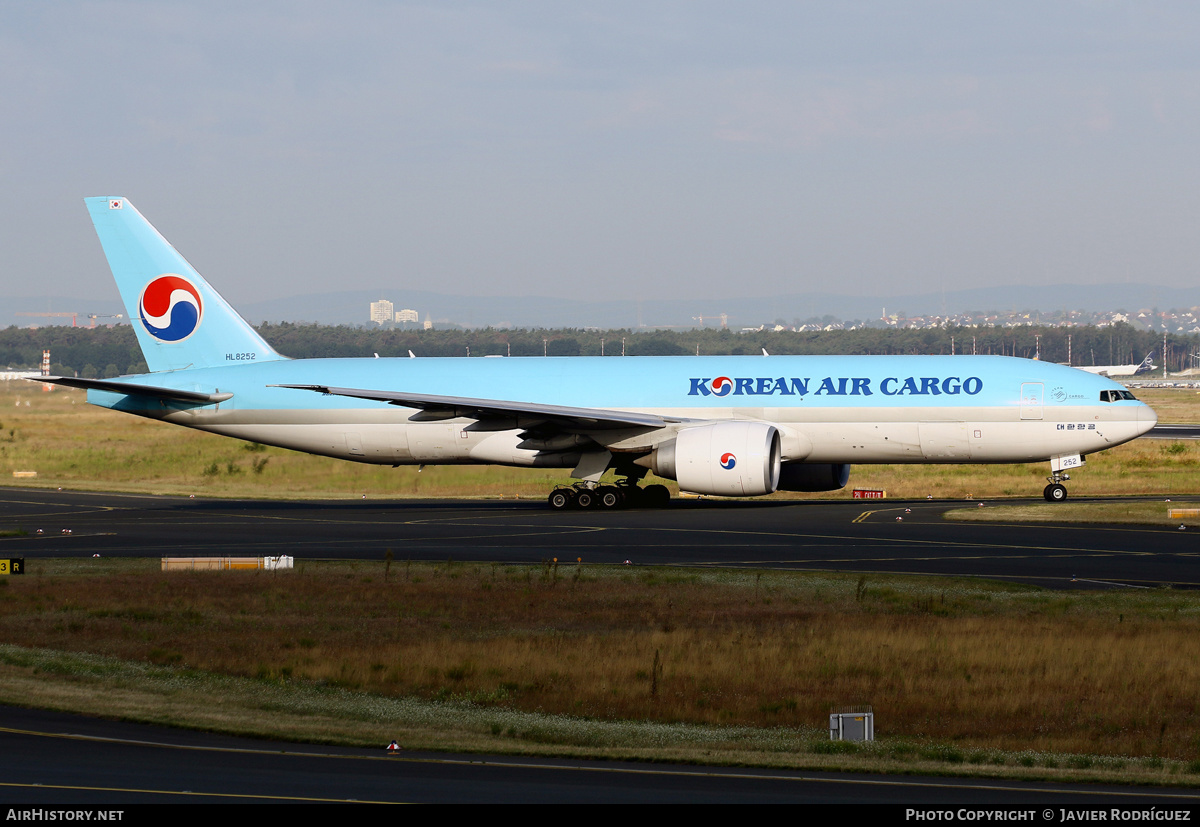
x,y
860,535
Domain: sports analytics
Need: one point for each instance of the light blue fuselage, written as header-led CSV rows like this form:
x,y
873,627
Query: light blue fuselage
x,y
841,408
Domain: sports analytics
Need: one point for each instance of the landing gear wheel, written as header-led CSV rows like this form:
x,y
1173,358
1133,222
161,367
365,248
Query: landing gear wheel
x,y
1055,492
561,499
609,496
586,498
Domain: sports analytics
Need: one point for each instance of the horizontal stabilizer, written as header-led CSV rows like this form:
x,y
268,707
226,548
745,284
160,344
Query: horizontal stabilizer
x,y
495,408
133,389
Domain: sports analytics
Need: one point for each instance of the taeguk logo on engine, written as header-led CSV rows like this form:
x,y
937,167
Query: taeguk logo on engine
x,y
728,460
170,308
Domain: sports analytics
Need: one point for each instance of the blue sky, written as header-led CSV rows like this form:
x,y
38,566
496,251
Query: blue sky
x,y
593,150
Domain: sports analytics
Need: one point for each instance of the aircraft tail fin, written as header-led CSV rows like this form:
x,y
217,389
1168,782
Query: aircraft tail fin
x,y
1147,365
180,320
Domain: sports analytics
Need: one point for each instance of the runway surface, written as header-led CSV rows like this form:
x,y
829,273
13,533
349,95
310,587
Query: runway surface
x,y
860,535
69,760
1173,432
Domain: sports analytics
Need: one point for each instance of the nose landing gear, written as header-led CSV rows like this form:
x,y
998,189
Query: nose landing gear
x,y
1056,492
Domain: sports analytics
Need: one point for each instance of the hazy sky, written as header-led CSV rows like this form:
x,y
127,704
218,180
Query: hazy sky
x,y
642,149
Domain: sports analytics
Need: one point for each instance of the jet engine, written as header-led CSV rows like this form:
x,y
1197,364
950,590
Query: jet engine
x,y
814,476
730,459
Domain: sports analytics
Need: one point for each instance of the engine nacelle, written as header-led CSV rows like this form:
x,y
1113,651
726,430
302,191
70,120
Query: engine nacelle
x,y
814,476
729,459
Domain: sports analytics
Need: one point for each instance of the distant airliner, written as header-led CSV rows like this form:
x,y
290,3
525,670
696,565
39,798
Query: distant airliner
x,y
1124,370
719,425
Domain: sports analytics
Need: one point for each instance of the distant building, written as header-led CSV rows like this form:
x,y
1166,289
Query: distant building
x,y
428,322
407,315
381,311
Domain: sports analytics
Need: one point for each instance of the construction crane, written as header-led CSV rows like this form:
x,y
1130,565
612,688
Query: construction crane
x,y
723,316
73,315
94,316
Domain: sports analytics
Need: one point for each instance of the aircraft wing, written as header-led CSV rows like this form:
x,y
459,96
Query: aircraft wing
x,y
134,389
446,407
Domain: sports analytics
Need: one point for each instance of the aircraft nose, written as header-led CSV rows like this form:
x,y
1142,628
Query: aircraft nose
x,y
1146,419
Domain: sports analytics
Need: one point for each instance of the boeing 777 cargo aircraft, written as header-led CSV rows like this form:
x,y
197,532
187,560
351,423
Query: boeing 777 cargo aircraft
x,y
719,425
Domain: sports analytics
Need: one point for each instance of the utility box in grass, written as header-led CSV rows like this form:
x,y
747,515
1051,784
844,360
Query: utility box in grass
x,y
854,724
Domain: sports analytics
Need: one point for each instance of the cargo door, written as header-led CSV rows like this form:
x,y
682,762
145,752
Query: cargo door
x,y
945,441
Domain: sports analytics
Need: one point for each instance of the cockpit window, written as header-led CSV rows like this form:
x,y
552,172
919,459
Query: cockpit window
x,y
1117,396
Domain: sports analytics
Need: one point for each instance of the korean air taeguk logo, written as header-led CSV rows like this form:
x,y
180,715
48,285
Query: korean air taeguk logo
x,y
170,308
721,386
728,460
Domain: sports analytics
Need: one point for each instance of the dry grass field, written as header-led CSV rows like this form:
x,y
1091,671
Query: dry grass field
x,y
966,665
74,445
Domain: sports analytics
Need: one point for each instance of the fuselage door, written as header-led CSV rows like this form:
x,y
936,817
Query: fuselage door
x,y
1031,400
944,441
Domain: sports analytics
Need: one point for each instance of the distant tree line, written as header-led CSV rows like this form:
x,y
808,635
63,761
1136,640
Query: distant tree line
x,y
91,352
111,351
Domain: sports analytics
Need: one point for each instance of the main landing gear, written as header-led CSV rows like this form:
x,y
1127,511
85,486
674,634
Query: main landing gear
x,y
625,494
